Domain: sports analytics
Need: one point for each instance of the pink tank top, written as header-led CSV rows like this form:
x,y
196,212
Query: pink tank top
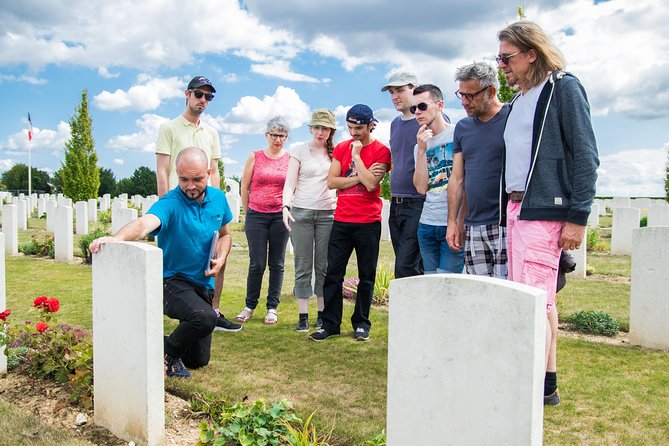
x,y
269,175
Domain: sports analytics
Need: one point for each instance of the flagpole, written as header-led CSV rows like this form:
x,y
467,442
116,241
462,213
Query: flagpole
x,y
29,170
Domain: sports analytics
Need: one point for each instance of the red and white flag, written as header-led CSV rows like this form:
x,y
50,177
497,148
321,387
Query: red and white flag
x,y
30,128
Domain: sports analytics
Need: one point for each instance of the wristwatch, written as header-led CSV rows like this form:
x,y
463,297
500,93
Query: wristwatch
x,y
286,206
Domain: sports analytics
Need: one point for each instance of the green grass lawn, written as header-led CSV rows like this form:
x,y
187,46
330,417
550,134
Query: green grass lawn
x,y
611,394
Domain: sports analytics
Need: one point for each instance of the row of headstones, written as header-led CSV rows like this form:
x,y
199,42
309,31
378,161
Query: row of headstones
x,y
474,376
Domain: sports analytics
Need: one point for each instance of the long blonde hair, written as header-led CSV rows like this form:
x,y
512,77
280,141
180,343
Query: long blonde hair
x,y
527,35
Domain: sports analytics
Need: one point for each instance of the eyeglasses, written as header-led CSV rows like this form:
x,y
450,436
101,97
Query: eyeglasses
x,y
506,59
199,93
470,96
278,136
421,106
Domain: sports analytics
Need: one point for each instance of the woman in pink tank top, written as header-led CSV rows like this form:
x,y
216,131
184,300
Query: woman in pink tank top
x,y
261,190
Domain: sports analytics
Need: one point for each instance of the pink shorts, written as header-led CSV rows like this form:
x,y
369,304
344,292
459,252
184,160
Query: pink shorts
x,y
534,251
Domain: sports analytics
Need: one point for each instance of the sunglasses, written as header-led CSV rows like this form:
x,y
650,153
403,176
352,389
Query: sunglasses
x,y
199,93
469,96
421,106
277,136
505,59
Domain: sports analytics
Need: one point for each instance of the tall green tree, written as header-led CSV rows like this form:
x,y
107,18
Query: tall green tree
x,y
221,172
142,182
107,182
16,178
80,172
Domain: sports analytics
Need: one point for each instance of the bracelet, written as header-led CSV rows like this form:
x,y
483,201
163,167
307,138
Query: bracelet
x,y
286,206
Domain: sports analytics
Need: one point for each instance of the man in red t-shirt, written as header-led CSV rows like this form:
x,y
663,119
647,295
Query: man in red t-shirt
x,y
358,166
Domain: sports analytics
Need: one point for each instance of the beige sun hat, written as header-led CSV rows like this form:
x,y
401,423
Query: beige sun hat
x,y
324,118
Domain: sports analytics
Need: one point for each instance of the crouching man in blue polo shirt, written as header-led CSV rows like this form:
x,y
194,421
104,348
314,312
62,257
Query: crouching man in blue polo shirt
x,y
185,220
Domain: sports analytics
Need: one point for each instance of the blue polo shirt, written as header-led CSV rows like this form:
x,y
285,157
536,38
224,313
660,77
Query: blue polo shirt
x,y
186,229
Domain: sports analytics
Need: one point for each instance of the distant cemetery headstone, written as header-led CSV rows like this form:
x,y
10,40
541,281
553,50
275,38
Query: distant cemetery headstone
x,y
580,256
92,210
51,206
475,373
649,299
129,377
385,218
620,202
658,216
81,217
63,237
121,217
625,220
10,229
22,214
593,218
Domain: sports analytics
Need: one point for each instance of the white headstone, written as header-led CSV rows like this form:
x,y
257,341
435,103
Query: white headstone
x,y
649,300
92,210
661,202
22,213
593,218
128,370
580,256
136,201
51,215
3,301
658,216
234,201
620,202
640,203
121,217
105,202
81,216
231,186
10,228
475,374
625,220
63,238
41,207
385,220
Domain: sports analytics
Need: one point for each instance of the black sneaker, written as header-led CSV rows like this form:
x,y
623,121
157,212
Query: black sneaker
x,y
176,368
222,324
321,335
302,325
361,334
319,323
553,399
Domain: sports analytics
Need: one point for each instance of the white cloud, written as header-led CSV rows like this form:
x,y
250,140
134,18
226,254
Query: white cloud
x,y
635,173
143,140
146,96
6,164
43,139
229,161
26,79
118,161
281,69
250,114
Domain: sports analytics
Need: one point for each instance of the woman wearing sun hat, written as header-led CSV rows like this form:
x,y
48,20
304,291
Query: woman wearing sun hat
x,y
308,212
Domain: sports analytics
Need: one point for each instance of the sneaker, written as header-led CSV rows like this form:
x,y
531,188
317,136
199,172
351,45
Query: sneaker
x,y
176,368
319,323
321,335
222,324
302,325
553,399
361,334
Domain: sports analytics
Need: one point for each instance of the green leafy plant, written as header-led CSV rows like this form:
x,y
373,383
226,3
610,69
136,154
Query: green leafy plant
x,y
595,322
384,274
643,222
246,424
38,247
593,241
104,220
305,434
378,440
49,350
86,240
3,328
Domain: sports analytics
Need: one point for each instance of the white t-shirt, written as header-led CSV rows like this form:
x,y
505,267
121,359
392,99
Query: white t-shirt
x,y
311,190
518,138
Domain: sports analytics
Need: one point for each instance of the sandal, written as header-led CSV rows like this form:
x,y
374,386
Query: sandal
x,y
271,317
244,316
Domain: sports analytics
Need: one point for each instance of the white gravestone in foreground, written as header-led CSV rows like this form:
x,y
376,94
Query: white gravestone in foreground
x,y
128,368
62,237
121,217
474,374
41,207
649,298
10,229
3,300
81,217
625,220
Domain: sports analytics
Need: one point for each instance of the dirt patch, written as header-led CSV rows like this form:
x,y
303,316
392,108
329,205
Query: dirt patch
x,y
50,402
621,338
610,278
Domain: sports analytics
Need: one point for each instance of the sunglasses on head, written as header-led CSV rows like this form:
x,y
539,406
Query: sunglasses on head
x,y
199,93
421,106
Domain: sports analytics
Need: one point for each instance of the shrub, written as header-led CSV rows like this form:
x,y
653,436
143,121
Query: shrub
x,y
595,322
384,274
378,440
86,240
643,222
38,247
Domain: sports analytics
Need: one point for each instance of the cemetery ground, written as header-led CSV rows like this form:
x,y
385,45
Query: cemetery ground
x,y
612,393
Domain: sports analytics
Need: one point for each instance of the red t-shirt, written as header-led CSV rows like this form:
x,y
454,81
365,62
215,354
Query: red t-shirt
x,y
356,204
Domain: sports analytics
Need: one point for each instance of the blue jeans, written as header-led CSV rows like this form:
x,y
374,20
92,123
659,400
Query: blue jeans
x,y
403,223
267,238
437,256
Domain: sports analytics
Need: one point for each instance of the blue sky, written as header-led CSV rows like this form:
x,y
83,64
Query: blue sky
x,y
268,57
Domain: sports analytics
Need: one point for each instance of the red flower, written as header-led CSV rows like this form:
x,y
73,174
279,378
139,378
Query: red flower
x,y
40,301
41,326
4,314
53,305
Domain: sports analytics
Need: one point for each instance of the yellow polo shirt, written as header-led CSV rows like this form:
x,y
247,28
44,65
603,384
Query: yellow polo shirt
x,y
179,133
